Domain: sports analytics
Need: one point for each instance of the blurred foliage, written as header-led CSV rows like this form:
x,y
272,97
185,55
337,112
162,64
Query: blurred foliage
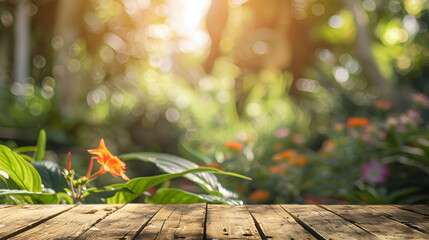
x,y
189,75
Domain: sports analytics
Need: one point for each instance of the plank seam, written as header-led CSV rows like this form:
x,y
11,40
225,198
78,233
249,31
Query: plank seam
x,y
410,210
205,223
404,223
305,226
163,223
145,224
258,227
346,219
19,231
99,220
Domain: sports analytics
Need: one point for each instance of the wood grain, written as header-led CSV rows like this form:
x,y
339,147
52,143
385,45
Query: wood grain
x,y
70,224
18,218
411,219
230,222
202,221
276,223
124,223
176,222
325,223
375,222
422,209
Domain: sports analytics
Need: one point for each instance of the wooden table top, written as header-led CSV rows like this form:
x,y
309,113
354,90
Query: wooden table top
x,y
210,221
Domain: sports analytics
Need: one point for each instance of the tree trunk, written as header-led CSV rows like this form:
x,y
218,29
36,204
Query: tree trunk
x,y
66,32
22,42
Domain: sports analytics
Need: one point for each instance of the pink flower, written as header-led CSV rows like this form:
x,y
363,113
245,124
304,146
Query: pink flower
x,y
298,138
282,133
374,172
420,98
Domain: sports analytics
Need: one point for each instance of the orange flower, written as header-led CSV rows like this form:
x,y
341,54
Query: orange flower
x,y
234,145
277,169
109,163
284,155
357,122
278,146
260,196
301,160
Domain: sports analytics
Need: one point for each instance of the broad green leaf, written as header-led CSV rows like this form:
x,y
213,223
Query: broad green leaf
x,y
22,173
105,192
4,174
39,154
51,175
27,158
173,164
138,185
37,197
190,153
64,196
178,196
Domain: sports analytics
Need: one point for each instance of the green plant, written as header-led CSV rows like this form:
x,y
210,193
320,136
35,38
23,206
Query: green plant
x,y
45,182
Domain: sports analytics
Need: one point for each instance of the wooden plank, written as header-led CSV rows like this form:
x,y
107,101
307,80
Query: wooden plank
x,y
412,219
176,222
325,223
422,209
124,223
70,224
230,222
6,206
376,223
18,218
276,223
191,224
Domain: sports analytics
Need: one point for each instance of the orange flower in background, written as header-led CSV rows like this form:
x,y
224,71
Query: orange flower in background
x,y
357,122
299,160
109,163
278,146
260,196
277,169
234,145
284,155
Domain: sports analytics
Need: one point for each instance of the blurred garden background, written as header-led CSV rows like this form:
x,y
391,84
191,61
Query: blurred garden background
x,y
318,101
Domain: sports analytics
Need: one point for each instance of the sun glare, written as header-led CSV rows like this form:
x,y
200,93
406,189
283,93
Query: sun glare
x,y
186,20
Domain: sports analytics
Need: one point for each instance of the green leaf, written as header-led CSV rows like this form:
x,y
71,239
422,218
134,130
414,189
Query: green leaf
x,y
25,149
178,196
173,164
190,153
105,192
27,158
38,197
39,154
22,173
138,185
51,175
